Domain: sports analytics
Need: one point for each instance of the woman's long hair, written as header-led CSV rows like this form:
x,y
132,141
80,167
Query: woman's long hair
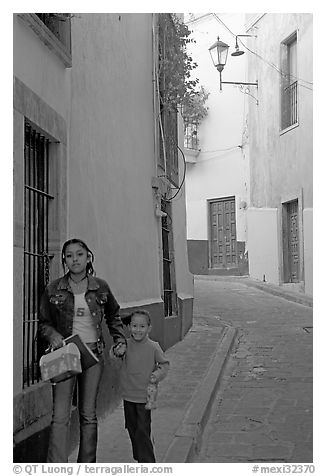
x,y
89,266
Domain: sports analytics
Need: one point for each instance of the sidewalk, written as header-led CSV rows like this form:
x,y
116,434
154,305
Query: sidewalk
x,y
183,402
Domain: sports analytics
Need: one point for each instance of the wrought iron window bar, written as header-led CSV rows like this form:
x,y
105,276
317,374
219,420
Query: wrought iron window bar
x,y
191,135
36,238
290,105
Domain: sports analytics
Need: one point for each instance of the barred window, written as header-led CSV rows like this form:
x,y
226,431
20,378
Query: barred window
x,y
289,84
36,240
191,135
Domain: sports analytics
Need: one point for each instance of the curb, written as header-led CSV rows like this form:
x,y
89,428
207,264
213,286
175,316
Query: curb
x,y
288,295
187,438
299,298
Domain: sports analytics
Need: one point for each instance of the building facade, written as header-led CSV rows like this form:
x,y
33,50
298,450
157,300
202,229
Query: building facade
x,y
87,163
217,178
281,154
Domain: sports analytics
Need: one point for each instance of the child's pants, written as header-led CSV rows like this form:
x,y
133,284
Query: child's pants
x,y
138,424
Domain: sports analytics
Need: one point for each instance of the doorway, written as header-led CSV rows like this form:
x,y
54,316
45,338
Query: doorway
x,y
291,242
222,233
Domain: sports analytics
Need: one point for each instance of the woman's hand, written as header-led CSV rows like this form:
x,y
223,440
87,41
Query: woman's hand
x,y
57,342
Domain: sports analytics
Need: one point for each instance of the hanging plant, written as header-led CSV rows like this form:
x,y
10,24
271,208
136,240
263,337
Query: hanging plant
x,y
194,110
177,87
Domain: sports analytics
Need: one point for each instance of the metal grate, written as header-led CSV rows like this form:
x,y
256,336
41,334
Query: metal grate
x,y
191,135
291,104
36,256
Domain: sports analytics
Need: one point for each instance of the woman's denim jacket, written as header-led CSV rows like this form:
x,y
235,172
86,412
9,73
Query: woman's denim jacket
x,y
57,310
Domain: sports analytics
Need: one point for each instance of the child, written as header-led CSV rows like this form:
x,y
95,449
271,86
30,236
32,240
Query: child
x,y
142,364
77,303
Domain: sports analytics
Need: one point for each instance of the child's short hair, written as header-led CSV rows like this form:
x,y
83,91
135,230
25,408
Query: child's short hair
x,y
127,318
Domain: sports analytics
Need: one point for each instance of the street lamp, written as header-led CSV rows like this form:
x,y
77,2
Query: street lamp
x,y
219,53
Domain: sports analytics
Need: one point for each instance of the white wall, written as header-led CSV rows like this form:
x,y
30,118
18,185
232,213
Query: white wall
x,y
40,69
221,168
112,158
263,245
41,83
281,162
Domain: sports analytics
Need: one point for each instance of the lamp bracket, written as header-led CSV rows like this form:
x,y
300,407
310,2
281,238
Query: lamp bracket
x,y
255,36
246,90
240,83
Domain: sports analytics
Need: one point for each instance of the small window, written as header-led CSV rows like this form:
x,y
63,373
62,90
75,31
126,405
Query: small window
x,y
289,84
191,135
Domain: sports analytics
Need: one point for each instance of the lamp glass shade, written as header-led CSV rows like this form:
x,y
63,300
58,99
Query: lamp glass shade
x,y
219,53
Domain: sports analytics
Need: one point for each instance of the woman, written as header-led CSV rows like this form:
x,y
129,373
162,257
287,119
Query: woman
x,y
76,304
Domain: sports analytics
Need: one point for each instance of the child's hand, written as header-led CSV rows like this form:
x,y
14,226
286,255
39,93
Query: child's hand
x,y
119,349
151,395
153,378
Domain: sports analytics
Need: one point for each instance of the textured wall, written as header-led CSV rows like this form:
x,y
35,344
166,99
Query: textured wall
x,y
262,244
280,162
112,150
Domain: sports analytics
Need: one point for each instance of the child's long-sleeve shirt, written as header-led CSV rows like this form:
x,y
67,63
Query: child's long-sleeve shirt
x,y
141,360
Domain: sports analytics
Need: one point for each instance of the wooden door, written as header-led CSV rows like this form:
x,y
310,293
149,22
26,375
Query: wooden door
x,y
291,243
223,237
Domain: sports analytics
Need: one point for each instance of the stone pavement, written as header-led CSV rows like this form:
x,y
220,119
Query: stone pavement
x,y
263,409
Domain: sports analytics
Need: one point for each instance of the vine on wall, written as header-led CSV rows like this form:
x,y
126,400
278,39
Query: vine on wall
x,y
178,88
194,111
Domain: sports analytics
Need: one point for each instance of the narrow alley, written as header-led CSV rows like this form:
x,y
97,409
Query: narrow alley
x,y
170,149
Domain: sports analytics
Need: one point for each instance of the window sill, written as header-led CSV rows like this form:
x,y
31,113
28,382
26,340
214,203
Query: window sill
x,y
172,316
287,129
191,155
47,37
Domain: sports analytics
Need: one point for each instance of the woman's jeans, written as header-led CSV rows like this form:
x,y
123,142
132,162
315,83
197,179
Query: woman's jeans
x,y
88,385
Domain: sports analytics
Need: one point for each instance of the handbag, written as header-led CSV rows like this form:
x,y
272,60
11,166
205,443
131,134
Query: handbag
x,y
61,364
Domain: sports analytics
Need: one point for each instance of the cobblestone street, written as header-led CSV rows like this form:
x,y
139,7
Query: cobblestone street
x,y
263,409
